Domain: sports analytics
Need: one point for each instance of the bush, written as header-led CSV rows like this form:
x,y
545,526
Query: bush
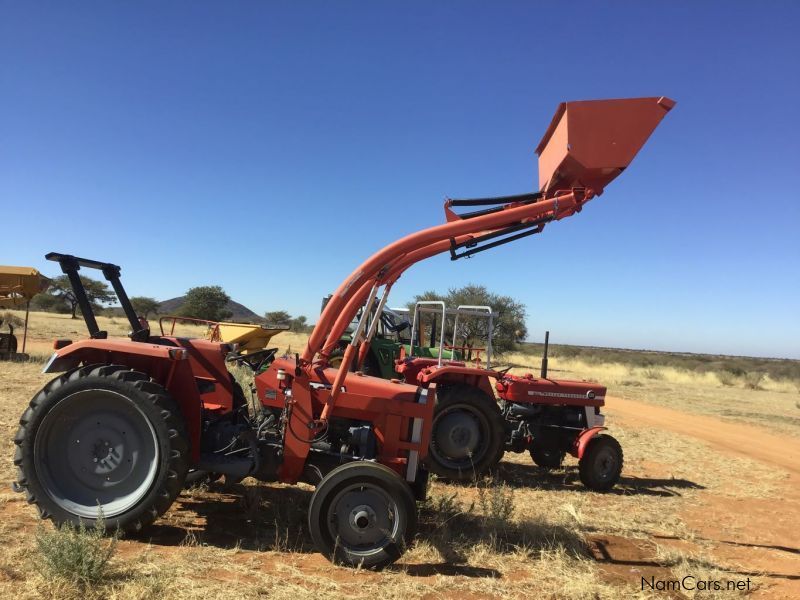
x,y
79,554
726,378
49,303
753,380
496,501
651,373
9,318
457,528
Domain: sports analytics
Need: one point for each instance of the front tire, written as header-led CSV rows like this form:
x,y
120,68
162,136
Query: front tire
x,y
362,514
600,466
102,442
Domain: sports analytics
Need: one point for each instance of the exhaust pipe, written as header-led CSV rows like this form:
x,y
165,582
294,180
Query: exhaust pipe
x,y
544,356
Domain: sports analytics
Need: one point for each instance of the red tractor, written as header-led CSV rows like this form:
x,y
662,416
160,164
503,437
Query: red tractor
x,y
546,417
115,434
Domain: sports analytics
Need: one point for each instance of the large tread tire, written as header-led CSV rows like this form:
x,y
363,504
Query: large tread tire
x,y
370,367
443,458
600,466
141,396
335,358
382,499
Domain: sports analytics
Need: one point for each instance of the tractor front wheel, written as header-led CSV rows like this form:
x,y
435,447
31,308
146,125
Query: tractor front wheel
x,y
601,464
362,514
102,442
468,434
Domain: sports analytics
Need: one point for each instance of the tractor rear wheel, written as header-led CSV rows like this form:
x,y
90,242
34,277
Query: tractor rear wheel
x,y
362,514
601,464
370,367
335,358
468,434
102,442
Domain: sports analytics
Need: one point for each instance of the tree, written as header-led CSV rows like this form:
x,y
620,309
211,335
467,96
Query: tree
x,y
508,327
299,324
144,305
97,292
206,302
282,317
278,317
49,303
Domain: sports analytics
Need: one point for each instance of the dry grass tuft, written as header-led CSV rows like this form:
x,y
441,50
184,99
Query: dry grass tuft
x,y
521,534
486,523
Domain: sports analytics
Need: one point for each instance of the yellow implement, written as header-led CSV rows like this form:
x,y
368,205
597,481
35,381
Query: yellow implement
x,y
17,286
248,336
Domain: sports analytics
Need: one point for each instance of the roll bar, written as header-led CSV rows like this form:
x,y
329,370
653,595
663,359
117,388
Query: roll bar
x,y
70,265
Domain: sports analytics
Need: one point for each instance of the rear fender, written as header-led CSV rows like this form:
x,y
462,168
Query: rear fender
x,y
458,375
109,351
169,366
585,436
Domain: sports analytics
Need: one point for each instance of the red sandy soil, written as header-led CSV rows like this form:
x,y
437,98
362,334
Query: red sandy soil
x,y
733,438
753,536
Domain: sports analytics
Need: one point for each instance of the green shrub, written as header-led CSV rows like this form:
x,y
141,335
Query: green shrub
x,y
79,554
496,501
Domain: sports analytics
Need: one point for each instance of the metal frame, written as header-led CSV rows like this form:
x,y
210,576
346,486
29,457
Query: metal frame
x,y
419,308
70,265
478,311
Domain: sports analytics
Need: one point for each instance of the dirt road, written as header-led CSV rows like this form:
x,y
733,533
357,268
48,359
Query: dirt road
x,y
754,536
742,440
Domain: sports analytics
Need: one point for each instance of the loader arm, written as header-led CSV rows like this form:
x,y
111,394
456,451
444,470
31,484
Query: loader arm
x,y
586,146
382,261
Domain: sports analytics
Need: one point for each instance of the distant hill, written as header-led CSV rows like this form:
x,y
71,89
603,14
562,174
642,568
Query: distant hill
x,y
240,312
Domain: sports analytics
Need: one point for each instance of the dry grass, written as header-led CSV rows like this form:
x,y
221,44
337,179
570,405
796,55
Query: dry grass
x,y
750,398
523,534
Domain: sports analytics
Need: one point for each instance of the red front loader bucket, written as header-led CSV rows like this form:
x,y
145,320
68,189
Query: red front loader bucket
x,y
589,143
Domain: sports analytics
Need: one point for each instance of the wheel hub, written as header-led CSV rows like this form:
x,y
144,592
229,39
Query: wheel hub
x,y
457,435
96,448
99,452
606,464
362,517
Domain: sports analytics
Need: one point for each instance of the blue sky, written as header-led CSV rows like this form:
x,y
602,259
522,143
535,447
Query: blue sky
x,y
270,147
